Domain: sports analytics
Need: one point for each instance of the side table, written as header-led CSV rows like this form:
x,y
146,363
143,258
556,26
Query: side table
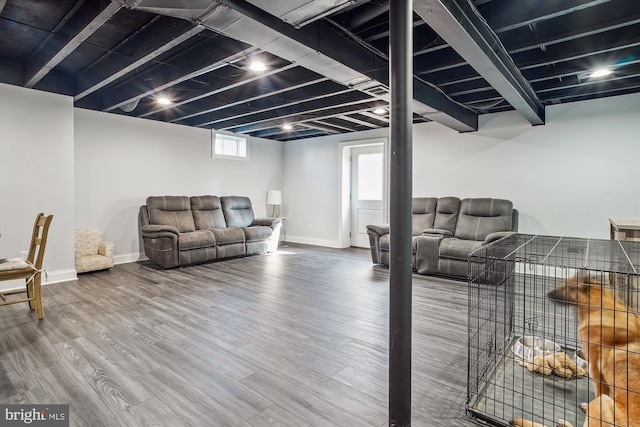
x,y
624,228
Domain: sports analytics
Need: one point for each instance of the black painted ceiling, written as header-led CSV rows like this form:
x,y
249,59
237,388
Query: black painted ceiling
x,y
328,60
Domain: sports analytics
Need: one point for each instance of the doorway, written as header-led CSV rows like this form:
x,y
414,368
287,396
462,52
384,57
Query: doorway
x,y
364,190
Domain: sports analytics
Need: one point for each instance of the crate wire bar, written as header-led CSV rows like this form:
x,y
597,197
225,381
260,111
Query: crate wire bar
x,y
508,285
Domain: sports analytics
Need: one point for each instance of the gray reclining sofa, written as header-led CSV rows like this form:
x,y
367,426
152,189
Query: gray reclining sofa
x,y
182,230
445,230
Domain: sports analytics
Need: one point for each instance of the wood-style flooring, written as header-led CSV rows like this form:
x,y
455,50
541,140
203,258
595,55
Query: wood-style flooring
x,y
295,338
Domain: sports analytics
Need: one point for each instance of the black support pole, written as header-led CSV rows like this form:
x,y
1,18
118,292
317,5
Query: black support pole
x,y
401,84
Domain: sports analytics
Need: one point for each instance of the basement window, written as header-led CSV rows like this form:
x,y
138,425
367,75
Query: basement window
x,y
227,146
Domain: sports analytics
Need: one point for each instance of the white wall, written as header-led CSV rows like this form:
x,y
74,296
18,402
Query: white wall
x,y
566,177
120,161
36,175
94,169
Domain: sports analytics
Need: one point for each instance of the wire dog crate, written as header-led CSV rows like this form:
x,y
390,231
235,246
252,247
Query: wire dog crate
x,y
511,319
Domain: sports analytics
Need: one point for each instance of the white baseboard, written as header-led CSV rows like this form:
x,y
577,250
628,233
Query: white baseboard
x,y
49,278
59,276
127,258
315,242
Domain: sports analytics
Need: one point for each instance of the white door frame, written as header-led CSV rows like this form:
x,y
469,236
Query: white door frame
x,y
344,219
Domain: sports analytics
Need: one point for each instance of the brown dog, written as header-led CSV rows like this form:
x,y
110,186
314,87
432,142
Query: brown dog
x,y
609,333
604,322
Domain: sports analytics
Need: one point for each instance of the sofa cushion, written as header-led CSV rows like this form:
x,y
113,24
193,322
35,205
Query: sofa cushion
x,y
207,212
423,212
447,214
481,217
227,236
196,239
171,210
257,233
237,211
458,248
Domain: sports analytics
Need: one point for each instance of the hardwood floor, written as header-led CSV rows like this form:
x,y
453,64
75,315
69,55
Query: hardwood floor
x,y
296,338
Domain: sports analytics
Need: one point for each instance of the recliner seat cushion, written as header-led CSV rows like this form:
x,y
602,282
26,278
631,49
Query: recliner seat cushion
x,y
196,239
458,248
207,212
384,243
227,236
171,210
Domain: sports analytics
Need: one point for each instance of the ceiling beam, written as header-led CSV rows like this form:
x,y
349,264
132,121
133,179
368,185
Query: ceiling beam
x,y
279,107
81,26
323,41
248,100
202,64
358,121
300,117
117,67
461,26
217,91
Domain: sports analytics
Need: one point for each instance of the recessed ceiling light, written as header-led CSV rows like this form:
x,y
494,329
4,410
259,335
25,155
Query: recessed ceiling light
x,y
257,66
380,111
163,100
601,72
287,126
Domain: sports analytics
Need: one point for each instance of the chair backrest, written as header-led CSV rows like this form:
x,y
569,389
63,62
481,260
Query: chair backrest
x,y
423,212
482,216
207,212
87,241
447,214
171,210
237,211
39,239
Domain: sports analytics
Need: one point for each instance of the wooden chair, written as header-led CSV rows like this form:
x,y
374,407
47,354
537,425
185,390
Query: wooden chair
x,y
29,269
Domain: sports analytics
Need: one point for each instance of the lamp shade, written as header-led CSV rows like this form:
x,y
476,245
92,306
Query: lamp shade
x,y
274,197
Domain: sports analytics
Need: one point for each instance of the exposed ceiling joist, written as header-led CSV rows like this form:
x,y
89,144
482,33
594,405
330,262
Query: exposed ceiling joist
x,y
104,75
326,60
459,24
85,24
216,91
317,43
125,94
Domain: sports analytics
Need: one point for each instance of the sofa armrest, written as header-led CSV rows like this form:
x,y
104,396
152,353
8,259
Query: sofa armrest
x,y
106,249
496,236
269,222
375,231
379,229
437,232
153,229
